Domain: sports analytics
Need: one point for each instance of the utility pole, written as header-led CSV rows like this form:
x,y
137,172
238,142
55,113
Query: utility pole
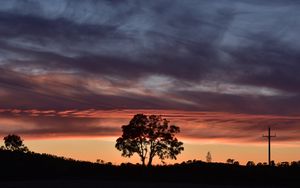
x,y
269,144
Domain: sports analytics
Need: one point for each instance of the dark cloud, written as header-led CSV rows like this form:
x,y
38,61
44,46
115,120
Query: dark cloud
x,y
38,125
231,56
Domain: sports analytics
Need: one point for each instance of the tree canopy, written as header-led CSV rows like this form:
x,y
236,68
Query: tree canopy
x,y
14,143
149,136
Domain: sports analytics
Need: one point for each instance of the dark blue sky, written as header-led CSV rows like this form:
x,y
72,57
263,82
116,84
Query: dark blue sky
x,y
238,56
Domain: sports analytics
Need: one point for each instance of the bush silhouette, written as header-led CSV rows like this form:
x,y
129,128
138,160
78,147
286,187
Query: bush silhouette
x,y
250,163
230,161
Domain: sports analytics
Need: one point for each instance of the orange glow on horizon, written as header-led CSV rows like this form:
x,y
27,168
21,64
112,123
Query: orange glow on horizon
x,y
226,135
93,149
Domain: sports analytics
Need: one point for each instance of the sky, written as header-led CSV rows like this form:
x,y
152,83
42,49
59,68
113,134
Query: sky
x,y
73,72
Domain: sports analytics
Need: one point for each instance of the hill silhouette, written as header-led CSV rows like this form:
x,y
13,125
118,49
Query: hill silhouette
x,y
34,166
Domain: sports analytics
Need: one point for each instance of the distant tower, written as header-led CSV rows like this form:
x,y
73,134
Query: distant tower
x,y
269,145
208,157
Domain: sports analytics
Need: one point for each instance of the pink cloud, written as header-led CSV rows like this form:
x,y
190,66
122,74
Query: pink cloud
x,y
215,126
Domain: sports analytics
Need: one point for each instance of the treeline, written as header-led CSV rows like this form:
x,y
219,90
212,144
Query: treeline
x,y
252,164
17,165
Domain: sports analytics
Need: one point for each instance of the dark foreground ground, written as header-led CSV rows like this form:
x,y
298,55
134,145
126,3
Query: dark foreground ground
x,y
30,170
116,184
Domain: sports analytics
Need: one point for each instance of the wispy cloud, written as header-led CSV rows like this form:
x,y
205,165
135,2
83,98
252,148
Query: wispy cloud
x,y
236,57
212,126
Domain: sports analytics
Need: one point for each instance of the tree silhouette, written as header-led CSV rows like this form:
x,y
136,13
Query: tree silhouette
x,y
230,161
283,164
208,157
250,163
149,136
272,163
14,143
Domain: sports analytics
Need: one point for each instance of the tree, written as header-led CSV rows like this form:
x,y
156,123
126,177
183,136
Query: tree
x,y
283,164
208,157
149,136
272,163
295,163
250,163
100,161
14,143
230,161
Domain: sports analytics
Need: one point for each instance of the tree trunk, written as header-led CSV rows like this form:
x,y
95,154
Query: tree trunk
x,y
143,161
150,161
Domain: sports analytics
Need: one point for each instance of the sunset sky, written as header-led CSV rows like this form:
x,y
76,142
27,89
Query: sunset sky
x,y
73,72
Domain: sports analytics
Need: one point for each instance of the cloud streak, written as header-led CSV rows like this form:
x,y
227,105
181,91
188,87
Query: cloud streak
x,y
208,126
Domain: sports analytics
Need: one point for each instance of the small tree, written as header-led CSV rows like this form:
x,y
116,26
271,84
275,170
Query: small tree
x,y
250,163
149,136
208,157
272,163
283,164
14,143
100,161
230,161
